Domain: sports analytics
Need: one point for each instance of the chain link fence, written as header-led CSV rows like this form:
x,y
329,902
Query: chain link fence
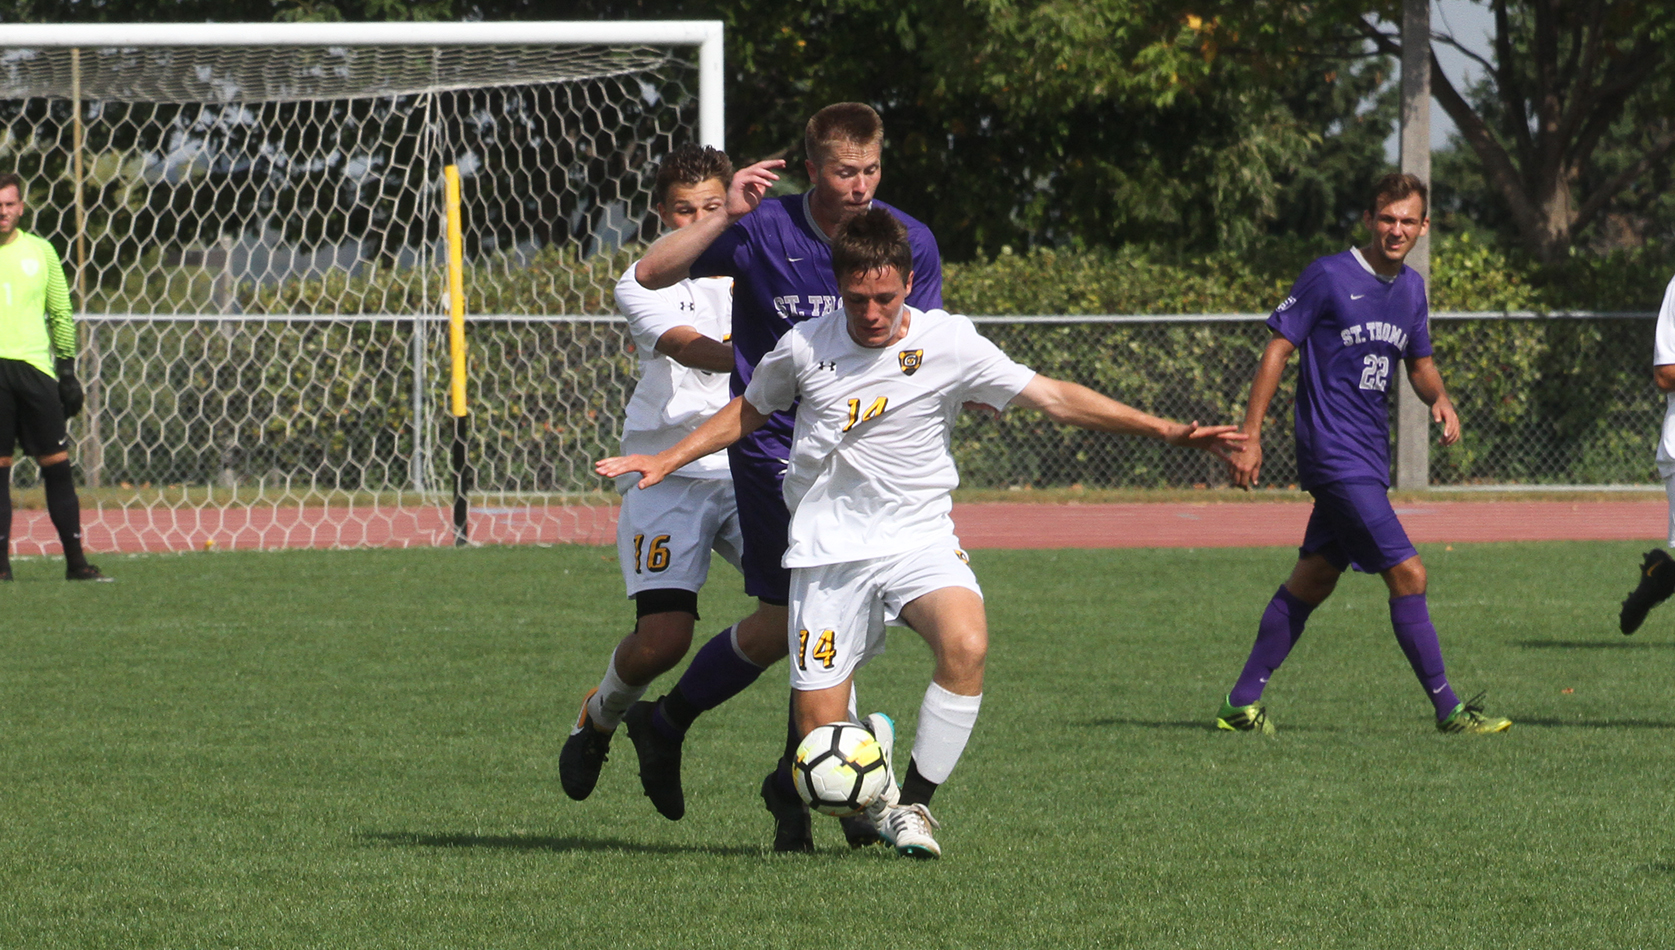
x,y
303,430
1544,399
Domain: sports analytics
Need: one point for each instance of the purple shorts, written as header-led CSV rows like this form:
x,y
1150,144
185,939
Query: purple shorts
x,y
763,519
1353,525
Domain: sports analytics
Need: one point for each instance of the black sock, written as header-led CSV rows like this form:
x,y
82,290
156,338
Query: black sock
x,y
793,735
678,710
64,510
5,517
915,788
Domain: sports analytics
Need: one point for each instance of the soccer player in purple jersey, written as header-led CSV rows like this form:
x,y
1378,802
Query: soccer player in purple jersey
x,y
1352,317
778,252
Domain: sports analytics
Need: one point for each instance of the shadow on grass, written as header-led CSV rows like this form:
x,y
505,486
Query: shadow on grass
x,y
1188,725
1592,723
1182,725
1596,644
410,839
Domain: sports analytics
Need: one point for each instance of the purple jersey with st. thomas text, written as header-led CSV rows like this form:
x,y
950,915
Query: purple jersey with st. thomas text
x,y
1352,332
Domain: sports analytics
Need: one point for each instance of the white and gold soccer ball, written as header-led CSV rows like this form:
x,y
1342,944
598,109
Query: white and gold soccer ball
x,y
840,769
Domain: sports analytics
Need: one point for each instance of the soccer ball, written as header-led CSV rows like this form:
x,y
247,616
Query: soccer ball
x,y
839,769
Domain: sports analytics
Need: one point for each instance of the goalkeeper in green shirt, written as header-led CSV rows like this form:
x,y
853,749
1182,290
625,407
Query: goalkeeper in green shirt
x,y
38,387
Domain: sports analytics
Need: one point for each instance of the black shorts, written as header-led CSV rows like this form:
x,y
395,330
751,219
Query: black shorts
x,y
30,411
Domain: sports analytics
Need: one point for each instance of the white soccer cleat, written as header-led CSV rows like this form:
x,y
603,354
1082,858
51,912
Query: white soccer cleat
x,y
883,728
908,829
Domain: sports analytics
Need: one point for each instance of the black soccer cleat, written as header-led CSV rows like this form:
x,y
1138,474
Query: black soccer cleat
x,y
793,827
86,572
1657,582
659,761
583,756
860,832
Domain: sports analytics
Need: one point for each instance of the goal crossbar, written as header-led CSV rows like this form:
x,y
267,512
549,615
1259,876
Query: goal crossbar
x,y
706,35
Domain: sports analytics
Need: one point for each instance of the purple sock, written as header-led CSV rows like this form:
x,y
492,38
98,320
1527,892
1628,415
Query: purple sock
x,y
717,673
1411,618
1282,624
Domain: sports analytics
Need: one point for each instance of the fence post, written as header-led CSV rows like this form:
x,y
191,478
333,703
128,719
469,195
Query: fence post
x,y
1413,418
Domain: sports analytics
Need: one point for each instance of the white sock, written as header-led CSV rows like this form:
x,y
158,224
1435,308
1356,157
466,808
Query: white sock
x,y
608,705
945,723
1669,490
853,717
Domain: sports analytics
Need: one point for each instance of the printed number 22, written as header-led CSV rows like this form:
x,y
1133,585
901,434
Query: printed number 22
x,y
1375,373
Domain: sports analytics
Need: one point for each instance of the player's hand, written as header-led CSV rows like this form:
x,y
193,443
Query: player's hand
x,y
69,388
750,186
647,465
1244,466
1442,411
1219,441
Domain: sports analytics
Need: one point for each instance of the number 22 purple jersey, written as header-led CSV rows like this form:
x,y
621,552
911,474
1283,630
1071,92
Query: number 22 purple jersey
x,y
1352,332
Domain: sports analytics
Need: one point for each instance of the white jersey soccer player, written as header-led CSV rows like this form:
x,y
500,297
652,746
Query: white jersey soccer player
x,y
1657,569
871,471
877,386
664,536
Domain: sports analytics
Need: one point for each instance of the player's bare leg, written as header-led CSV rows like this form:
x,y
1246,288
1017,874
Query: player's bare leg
x,y
722,668
657,643
953,624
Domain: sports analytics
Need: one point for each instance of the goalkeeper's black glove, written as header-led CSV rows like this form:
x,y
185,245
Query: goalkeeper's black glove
x,y
69,390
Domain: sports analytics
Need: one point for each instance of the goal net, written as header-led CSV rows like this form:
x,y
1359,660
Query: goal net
x,y
251,220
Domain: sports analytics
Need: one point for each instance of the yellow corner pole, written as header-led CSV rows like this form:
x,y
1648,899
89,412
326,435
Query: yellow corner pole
x,y
456,351
456,290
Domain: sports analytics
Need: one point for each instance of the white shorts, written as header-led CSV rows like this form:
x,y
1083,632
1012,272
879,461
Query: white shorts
x,y
665,533
839,611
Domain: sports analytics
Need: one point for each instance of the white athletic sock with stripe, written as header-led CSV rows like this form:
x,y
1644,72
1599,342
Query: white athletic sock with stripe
x,y
611,701
945,723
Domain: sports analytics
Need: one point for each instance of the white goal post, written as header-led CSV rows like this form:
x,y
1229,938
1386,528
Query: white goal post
x,y
250,215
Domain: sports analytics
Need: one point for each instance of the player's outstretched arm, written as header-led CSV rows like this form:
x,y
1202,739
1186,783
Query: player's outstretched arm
x,y
669,260
1244,466
1078,405
735,420
1663,377
688,347
1427,383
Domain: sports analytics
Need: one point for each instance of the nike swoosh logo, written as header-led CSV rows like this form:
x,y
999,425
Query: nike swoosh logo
x,y
1356,296
1439,689
794,260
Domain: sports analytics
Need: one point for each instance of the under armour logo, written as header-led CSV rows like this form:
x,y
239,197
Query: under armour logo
x,y
827,364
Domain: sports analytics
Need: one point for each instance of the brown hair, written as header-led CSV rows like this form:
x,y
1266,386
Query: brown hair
x,y
1397,186
852,122
13,179
871,241
691,164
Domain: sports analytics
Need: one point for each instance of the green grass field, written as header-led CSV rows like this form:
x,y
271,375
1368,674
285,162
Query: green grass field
x,y
358,749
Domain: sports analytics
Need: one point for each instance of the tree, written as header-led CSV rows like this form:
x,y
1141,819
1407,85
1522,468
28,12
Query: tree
x,y
1574,112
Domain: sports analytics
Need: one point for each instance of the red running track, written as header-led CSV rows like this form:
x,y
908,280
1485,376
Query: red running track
x,y
1000,525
